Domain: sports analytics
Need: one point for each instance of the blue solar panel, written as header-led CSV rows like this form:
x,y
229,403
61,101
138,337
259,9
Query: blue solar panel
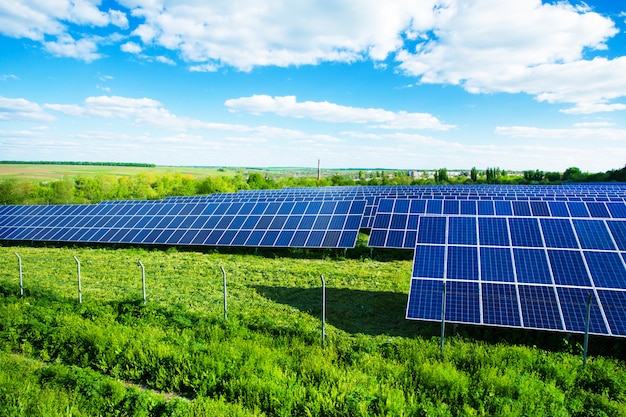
x,y
540,309
493,231
429,261
593,234
568,267
614,306
500,305
531,266
503,208
496,264
618,230
617,210
558,233
525,232
432,230
598,210
573,303
462,231
521,208
539,208
425,299
607,269
462,302
462,263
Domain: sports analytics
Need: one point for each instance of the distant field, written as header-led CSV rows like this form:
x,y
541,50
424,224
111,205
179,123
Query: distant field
x,y
41,172
53,172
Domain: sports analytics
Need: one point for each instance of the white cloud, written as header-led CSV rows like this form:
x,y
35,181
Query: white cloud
x,y
151,113
118,19
35,18
131,48
288,106
245,34
514,46
85,12
66,46
521,46
6,77
47,22
13,109
593,124
165,60
586,132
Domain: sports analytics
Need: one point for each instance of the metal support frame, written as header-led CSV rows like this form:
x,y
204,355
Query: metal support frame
x,y
443,319
587,319
19,261
323,311
80,291
225,297
143,281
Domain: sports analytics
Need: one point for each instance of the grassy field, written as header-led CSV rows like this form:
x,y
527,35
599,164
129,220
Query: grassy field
x,y
177,355
42,172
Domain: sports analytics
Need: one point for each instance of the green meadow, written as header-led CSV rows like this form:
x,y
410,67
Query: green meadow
x,y
178,355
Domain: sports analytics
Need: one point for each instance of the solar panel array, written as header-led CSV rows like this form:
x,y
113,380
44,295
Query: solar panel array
x,y
513,256
315,224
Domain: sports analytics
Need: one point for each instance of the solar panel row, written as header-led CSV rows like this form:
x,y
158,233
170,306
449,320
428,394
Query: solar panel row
x,y
330,224
521,272
396,221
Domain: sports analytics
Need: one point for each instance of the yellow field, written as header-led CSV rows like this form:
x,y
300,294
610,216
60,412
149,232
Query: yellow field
x,y
42,172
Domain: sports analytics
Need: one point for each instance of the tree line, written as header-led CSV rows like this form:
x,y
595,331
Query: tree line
x,y
83,189
107,164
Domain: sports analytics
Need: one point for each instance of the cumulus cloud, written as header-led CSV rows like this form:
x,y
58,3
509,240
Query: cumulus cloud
x,y
148,112
550,50
520,46
580,132
14,109
41,20
66,46
131,48
245,34
288,106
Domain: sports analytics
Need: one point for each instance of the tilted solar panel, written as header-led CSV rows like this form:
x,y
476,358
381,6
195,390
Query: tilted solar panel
x,y
529,272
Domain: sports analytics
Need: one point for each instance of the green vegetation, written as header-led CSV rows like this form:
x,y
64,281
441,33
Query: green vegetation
x,y
78,186
112,164
177,355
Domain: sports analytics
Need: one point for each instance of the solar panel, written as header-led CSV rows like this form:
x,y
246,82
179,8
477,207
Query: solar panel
x,y
530,271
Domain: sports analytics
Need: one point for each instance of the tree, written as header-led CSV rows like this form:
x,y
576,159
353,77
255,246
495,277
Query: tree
x,y
572,174
474,174
441,175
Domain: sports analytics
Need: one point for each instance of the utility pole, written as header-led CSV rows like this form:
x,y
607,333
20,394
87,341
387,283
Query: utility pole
x,y
319,171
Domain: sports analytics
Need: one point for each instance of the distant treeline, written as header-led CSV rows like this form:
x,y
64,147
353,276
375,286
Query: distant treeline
x,y
107,164
83,188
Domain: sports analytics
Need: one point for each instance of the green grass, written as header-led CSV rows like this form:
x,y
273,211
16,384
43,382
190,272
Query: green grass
x,y
177,355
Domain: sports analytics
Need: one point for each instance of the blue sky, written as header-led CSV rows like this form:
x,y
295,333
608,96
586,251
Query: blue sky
x,y
399,84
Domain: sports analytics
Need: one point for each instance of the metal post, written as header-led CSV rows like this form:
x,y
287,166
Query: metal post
x,y
443,319
587,319
225,302
19,261
80,292
323,311
143,280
